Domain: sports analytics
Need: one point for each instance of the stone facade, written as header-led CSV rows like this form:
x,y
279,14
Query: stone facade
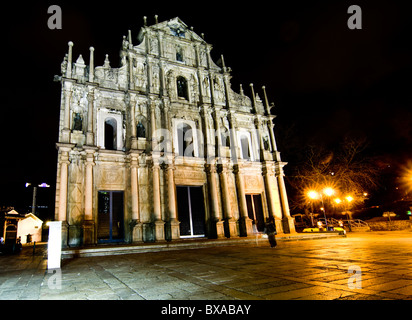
x,y
162,147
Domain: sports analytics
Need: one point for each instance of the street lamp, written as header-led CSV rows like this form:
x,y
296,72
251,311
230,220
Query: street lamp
x,y
312,194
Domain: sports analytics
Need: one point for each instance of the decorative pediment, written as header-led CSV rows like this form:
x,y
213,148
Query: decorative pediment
x,y
176,27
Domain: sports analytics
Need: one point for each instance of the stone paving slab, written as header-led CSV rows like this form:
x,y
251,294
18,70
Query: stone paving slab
x,y
295,270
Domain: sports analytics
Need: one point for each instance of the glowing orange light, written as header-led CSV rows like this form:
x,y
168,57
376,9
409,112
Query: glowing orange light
x,y
328,191
313,194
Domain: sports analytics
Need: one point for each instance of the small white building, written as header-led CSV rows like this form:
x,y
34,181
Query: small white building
x,y
29,225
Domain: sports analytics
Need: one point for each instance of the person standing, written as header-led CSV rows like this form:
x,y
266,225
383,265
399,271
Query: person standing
x,y
270,229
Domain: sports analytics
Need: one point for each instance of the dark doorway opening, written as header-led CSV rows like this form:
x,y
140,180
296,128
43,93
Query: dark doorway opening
x,y
110,217
255,210
191,211
110,130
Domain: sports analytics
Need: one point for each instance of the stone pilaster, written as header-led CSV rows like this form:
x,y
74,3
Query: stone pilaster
x,y
88,224
229,221
157,213
245,223
171,195
64,162
65,138
216,221
136,225
288,223
90,131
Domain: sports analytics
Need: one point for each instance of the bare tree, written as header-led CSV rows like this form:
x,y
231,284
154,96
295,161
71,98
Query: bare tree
x,y
346,169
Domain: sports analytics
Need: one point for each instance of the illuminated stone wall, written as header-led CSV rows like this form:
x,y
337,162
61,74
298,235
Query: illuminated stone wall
x,y
166,117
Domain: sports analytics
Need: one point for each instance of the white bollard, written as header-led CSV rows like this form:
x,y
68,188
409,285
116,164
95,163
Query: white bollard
x,y
54,247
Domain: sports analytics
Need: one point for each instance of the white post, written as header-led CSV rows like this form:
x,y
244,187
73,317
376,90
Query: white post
x,y
54,248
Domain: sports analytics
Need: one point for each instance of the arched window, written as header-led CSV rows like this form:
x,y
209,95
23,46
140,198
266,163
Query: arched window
x,y
185,140
244,144
182,88
110,134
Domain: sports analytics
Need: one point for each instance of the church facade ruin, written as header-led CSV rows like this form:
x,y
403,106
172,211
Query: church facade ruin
x,y
162,148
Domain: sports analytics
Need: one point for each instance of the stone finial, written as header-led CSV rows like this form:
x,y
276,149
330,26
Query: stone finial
x,y
145,21
156,16
253,95
69,60
266,100
106,62
80,60
91,65
130,38
241,90
223,61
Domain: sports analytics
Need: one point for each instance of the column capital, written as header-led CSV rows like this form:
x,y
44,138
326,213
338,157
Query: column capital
x,y
90,95
211,168
65,147
279,168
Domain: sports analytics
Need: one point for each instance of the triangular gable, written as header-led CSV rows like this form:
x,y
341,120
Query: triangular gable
x,y
13,212
176,27
31,215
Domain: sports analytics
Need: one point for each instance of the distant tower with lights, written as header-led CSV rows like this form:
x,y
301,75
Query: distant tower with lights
x,y
161,148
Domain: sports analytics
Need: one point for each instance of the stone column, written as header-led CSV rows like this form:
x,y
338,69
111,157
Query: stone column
x,y
272,134
133,123
157,212
230,222
90,133
153,124
234,149
88,223
64,169
66,121
216,218
69,60
91,65
245,223
272,192
131,76
288,224
137,226
217,132
211,85
171,193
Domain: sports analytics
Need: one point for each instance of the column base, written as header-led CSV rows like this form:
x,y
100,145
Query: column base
x,y
279,225
288,225
159,226
65,234
245,226
231,228
220,229
174,229
137,231
88,232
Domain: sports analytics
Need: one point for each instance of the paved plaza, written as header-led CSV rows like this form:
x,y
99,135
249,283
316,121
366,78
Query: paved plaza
x,y
379,262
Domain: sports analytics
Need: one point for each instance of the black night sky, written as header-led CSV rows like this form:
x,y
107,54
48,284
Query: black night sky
x,y
325,79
